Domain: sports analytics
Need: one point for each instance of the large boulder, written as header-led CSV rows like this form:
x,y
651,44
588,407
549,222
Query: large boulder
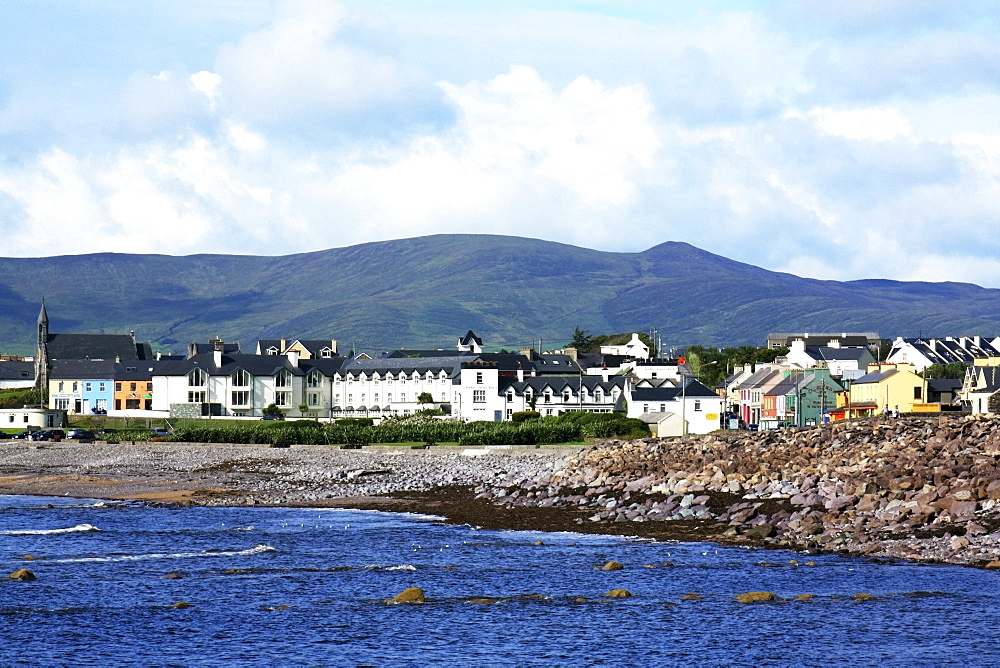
x,y
23,575
612,566
409,595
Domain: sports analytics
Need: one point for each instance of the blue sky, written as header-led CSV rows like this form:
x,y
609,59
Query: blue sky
x,y
836,140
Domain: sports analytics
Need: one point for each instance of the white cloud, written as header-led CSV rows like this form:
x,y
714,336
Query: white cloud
x,y
302,66
878,123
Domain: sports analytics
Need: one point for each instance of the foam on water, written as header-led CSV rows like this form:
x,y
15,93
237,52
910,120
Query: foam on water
x,y
257,549
48,532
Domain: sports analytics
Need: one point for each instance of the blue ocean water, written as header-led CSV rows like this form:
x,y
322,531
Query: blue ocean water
x,y
101,596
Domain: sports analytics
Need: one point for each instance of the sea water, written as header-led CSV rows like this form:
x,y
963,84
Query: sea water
x,y
296,586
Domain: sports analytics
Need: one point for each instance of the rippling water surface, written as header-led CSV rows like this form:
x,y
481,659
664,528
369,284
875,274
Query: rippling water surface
x,y
308,586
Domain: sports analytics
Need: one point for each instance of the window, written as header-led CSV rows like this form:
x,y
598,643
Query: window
x,y
388,397
240,378
196,378
102,404
62,404
313,379
479,378
567,396
149,387
131,387
131,404
697,404
645,408
272,351
444,397
326,352
86,387
103,387
196,397
313,398
663,408
241,398
283,379
62,386
118,388
510,395
479,396
918,392
548,399
402,396
76,386
283,398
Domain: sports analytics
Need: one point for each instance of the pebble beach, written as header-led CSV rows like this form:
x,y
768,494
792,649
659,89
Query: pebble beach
x,y
911,488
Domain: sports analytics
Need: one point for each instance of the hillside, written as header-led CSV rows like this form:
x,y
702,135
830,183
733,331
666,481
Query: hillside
x,y
427,291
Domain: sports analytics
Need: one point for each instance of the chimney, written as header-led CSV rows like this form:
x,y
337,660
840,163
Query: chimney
x,y
571,353
333,346
520,375
283,344
978,340
293,356
217,357
528,352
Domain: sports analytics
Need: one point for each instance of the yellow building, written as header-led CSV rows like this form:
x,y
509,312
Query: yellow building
x,y
885,388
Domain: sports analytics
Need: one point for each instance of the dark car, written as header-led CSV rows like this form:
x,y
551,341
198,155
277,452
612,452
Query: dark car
x,y
50,435
80,435
273,416
24,434
162,432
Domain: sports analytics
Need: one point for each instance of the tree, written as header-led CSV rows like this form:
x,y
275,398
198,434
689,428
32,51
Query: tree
x,y
580,341
953,370
272,409
425,398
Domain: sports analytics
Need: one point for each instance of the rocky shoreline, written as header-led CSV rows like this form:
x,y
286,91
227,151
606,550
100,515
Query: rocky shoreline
x,y
910,488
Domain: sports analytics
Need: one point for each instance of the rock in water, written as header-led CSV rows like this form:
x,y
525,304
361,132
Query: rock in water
x,y
618,593
755,596
410,595
181,605
612,566
23,574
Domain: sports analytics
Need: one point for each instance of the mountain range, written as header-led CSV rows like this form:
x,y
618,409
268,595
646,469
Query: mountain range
x,y
426,292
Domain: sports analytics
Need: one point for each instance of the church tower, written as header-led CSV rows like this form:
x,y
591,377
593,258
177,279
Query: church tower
x,y
42,357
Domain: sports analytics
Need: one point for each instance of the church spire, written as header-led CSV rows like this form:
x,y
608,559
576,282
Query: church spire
x,y
42,356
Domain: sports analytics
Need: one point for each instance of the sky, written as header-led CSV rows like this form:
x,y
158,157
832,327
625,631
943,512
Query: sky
x,y
834,140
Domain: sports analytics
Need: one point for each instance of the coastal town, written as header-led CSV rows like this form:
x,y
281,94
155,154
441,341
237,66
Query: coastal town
x,y
816,378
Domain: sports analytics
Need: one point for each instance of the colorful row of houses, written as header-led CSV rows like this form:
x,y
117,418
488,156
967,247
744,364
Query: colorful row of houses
x,y
822,378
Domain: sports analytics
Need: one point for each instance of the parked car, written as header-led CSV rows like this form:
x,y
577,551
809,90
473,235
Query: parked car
x,y
49,435
80,434
273,416
24,434
162,432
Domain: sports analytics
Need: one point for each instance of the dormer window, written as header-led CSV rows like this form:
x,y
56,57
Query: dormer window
x,y
240,378
326,352
313,380
272,351
283,379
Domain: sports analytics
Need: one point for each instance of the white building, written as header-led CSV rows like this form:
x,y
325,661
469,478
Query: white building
x,y
635,348
699,408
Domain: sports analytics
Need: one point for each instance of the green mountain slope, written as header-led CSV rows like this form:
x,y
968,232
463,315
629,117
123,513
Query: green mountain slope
x,y
427,291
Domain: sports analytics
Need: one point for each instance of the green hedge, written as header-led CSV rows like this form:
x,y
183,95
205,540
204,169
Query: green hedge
x,y
561,429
